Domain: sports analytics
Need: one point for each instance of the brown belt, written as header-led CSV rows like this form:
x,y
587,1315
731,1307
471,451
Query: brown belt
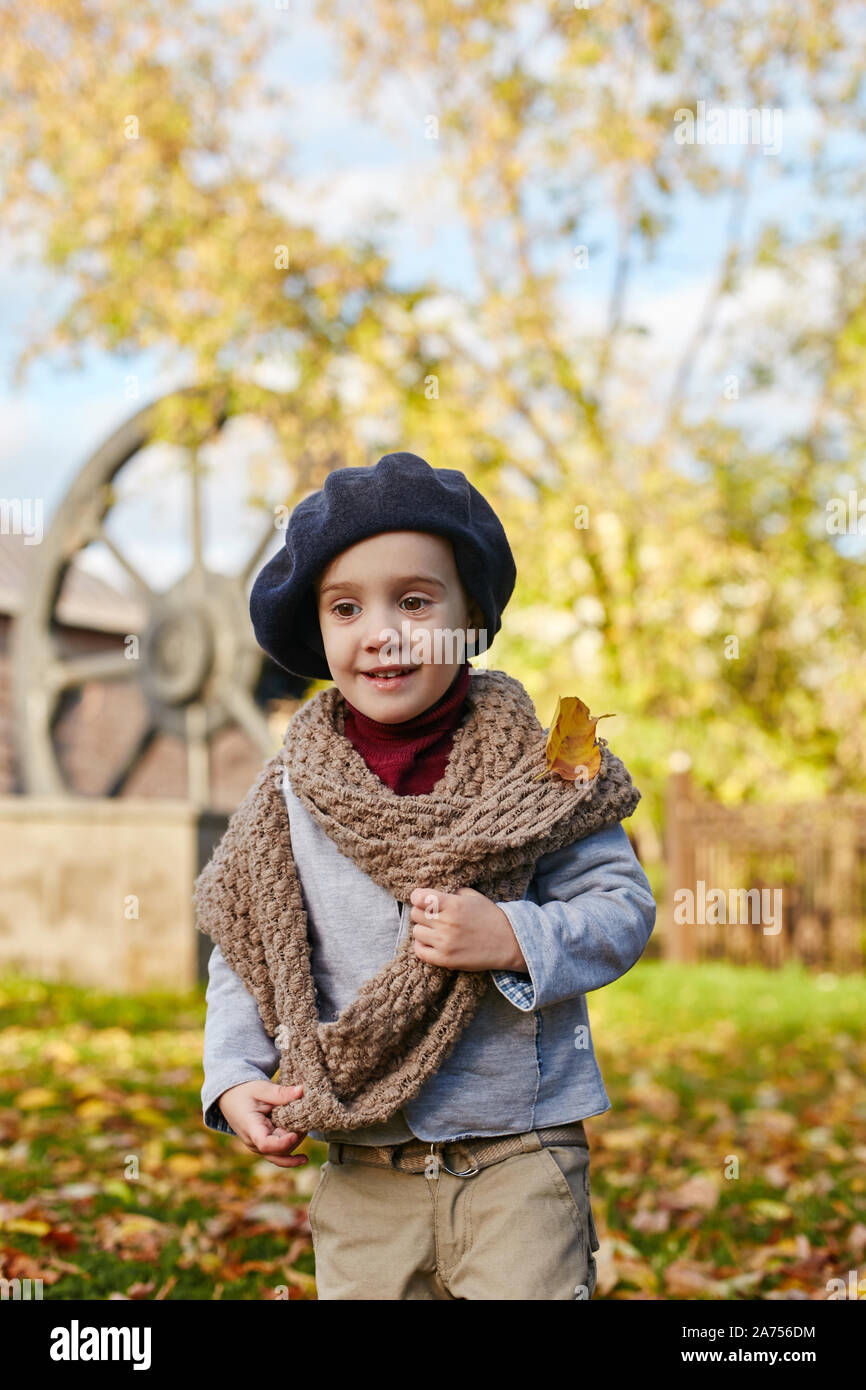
x,y
419,1156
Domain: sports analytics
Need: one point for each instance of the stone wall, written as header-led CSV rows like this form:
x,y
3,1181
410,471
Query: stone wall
x,y
98,891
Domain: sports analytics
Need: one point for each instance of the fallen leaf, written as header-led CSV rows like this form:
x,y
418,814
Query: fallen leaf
x,y
572,751
27,1228
699,1193
147,1115
134,1236
857,1239
777,1175
765,1210
651,1223
685,1277
36,1098
184,1165
59,1051
94,1110
784,1252
17,1264
634,1137
274,1214
78,1191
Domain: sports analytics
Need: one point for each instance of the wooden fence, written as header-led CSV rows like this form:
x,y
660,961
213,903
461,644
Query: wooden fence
x,y
764,884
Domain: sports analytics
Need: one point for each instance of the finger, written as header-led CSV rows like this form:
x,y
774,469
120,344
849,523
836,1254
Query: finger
x,y
262,1130
429,954
275,1094
282,1141
418,914
282,1161
259,1126
431,901
297,1161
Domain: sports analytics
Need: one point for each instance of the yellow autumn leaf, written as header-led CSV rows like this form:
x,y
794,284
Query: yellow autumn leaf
x,y
26,1227
88,1086
58,1050
764,1209
136,1232
94,1110
209,1261
184,1165
36,1098
572,751
147,1115
120,1188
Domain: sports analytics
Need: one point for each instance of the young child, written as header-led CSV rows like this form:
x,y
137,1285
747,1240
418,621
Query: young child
x,y
408,918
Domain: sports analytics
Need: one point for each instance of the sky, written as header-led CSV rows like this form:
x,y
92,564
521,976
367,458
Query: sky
x,y
346,170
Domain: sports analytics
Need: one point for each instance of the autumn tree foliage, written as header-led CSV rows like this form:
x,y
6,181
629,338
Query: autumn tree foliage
x,y
670,495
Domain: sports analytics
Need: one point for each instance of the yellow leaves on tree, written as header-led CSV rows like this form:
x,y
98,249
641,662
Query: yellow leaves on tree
x,y
572,750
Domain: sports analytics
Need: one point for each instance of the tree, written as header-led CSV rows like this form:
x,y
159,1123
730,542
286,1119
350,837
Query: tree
x,y
121,167
700,592
675,559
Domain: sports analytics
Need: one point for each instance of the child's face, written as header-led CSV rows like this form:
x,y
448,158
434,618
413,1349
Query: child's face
x,y
367,593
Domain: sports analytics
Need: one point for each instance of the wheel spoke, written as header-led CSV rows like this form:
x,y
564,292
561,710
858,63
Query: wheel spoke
x,y
197,755
96,666
138,580
132,760
37,714
244,709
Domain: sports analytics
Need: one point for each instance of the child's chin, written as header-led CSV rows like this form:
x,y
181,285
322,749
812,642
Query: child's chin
x,y
410,698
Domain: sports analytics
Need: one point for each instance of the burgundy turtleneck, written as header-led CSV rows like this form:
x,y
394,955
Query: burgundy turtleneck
x,y
410,757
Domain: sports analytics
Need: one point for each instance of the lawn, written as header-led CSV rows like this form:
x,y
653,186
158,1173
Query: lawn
x,y
732,1164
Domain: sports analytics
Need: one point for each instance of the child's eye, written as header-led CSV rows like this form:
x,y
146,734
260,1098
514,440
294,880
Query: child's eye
x,y
410,598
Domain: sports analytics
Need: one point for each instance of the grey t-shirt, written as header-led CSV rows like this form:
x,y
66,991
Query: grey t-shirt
x,y
354,928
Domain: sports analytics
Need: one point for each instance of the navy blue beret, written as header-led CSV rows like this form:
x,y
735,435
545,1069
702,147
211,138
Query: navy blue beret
x,y
401,493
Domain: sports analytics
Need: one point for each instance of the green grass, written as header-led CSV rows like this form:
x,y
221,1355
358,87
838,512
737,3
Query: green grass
x,y
730,1165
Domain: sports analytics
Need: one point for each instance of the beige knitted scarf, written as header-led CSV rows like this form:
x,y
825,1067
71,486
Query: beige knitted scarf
x,y
484,826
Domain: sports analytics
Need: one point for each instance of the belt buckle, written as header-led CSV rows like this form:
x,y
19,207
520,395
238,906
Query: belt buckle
x,y
467,1173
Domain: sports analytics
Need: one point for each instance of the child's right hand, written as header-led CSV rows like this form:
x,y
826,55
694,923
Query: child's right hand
x,y
246,1109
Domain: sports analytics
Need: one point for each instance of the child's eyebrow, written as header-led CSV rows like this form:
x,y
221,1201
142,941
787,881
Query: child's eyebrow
x,y
399,582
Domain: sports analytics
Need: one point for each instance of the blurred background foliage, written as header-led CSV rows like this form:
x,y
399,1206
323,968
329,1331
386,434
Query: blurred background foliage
x,y
706,506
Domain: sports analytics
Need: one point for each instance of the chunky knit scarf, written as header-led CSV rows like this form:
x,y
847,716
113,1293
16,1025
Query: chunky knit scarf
x,y
484,826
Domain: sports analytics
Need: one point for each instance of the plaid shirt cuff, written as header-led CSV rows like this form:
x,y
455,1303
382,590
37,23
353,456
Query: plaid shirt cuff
x,y
215,1119
517,988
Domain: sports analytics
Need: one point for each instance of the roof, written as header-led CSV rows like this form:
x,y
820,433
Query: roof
x,y
86,600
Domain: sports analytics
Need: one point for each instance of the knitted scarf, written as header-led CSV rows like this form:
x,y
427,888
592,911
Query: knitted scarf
x,y
484,826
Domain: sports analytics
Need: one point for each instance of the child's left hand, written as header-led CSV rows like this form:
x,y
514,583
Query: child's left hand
x,y
463,931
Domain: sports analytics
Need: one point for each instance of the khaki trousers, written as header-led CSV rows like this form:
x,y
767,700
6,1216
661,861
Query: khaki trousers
x,y
520,1228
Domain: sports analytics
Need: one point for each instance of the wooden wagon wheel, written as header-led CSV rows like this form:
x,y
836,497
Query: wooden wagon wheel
x,y
197,662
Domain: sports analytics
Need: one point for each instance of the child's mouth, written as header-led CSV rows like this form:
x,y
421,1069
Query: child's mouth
x,y
392,681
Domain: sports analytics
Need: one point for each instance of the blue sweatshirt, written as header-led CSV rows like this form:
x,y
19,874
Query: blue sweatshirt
x,y
526,1059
